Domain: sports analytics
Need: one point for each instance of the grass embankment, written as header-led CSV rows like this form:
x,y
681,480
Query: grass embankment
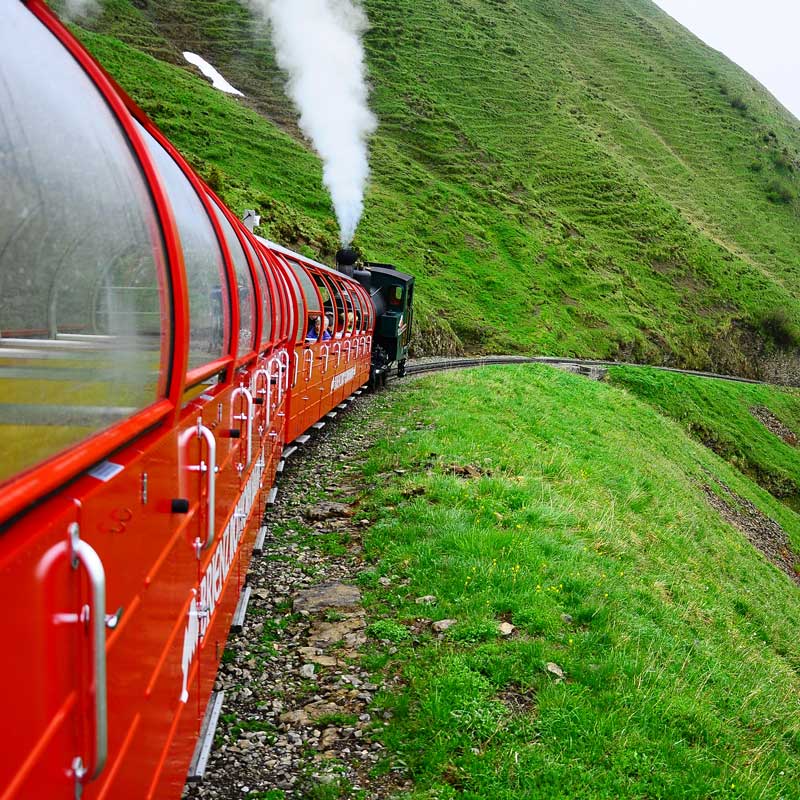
x,y
751,426
655,651
566,177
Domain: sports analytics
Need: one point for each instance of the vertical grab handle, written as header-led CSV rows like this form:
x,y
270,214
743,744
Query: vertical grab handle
x,y
276,362
284,356
267,389
337,348
211,472
268,398
246,417
279,362
84,555
200,431
326,355
308,359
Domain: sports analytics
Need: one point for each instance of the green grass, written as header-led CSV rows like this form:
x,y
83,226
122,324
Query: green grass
x,y
588,529
718,414
389,631
563,177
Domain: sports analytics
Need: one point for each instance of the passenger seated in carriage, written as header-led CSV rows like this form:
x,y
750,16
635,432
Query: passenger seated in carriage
x,y
313,333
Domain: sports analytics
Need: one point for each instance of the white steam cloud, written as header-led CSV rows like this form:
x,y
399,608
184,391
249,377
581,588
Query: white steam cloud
x,y
80,8
318,44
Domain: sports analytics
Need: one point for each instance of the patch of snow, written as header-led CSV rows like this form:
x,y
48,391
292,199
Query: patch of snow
x,y
217,81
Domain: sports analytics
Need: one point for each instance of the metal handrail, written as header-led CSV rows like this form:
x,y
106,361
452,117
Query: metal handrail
x,y
241,390
201,432
284,354
83,554
327,350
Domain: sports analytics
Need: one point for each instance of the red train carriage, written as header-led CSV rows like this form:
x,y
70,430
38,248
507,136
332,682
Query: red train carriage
x,y
153,364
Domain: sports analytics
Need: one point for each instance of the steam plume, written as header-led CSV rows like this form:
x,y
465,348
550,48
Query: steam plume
x,y
73,9
318,44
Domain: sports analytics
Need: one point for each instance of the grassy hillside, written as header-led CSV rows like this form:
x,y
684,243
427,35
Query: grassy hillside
x,y
654,651
567,177
752,427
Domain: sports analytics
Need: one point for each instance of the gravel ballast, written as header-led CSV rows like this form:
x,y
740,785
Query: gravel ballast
x,y
299,711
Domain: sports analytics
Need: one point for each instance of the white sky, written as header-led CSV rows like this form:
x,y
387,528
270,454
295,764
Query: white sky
x,y
759,35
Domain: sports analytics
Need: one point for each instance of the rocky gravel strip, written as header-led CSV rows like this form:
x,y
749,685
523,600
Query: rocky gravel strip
x,y
299,717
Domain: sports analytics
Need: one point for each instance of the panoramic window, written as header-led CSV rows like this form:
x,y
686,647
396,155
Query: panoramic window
x,y
83,294
244,283
266,298
209,305
311,297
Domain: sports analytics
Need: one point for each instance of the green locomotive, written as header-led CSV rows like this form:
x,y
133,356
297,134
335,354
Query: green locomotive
x,y
392,295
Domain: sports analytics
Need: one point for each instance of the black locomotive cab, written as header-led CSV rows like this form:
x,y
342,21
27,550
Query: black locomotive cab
x,y
392,294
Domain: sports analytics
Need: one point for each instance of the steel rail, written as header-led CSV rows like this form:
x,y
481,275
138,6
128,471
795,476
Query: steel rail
x,y
438,365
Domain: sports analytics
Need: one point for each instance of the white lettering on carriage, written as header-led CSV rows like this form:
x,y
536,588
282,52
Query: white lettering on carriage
x,y
190,641
201,610
342,378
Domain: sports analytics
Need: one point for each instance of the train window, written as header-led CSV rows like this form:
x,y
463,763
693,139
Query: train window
x,y
340,307
358,312
310,294
347,315
84,308
327,302
286,306
266,296
366,307
209,303
299,303
244,283
278,322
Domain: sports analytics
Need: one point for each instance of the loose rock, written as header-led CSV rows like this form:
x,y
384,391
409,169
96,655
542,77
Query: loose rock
x,y
326,596
506,629
554,669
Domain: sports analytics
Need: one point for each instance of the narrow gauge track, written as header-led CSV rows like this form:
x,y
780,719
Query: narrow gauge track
x,y
440,365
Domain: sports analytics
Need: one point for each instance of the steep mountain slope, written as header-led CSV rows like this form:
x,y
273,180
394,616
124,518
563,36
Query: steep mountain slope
x,y
563,176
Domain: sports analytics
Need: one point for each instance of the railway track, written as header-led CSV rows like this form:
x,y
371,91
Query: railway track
x,y
581,365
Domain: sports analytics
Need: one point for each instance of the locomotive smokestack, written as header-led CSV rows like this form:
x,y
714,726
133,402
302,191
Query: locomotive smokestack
x,y
346,259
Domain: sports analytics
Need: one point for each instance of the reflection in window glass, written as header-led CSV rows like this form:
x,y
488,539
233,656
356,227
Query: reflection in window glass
x,y
266,298
299,305
312,299
83,309
244,282
205,269
359,312
287,297
277,315
327,303
307,285
340,310
349,313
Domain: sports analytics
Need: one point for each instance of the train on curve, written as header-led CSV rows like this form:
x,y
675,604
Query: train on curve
x,y
155,360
